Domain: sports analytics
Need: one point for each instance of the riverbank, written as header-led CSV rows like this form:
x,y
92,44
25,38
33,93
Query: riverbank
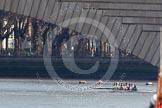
x,y
127,69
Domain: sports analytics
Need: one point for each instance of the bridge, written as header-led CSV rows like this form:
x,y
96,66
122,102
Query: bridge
x,y
131,25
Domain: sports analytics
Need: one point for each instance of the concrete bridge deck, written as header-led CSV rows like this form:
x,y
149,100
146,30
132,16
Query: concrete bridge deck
x,y
134,24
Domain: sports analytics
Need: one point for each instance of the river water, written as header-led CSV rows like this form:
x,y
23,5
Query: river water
x,y
48,94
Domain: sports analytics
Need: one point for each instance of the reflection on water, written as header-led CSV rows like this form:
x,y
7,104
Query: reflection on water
x,y
48,94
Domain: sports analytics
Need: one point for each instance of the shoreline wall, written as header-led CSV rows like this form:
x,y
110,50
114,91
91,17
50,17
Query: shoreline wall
x,y
128,69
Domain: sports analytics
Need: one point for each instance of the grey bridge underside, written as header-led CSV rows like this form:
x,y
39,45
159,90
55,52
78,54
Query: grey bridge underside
x,y
135,24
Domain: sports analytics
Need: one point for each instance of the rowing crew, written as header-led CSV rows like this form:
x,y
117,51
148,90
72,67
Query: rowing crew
x,y
124,86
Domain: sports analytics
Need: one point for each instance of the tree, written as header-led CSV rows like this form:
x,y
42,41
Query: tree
x,y
21,24
5,29
40,30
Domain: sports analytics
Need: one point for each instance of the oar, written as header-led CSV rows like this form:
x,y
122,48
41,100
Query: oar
x,y
110,88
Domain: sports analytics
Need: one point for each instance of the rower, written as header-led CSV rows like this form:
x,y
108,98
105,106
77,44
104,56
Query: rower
x,y
153,101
